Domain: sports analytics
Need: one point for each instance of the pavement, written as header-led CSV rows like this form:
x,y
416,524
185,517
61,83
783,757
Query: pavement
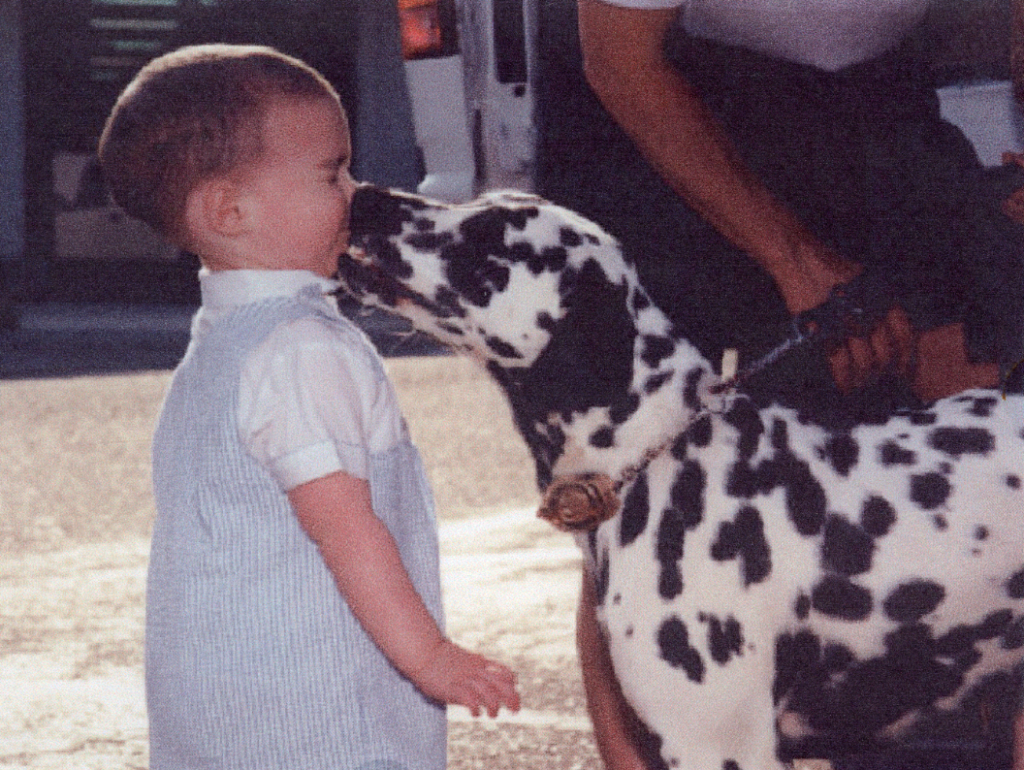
x,y
71,668
63,339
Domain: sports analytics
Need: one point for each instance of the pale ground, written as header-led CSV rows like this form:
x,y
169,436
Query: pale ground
x,y
75,513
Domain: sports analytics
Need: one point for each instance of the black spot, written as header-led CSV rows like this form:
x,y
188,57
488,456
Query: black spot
x,y
922,418
687,493
981,532
744,539
846,548
569,237
671,535
731,764
552,258
891,453
959,441
546,322
700,431
1015,585
805,497
685,512
794,655
983,405
1013,637
744,417
724,639
624,408
779,436
376,211
674,643
929,490
836,657
909,602
639,301
690,398
940,522
860,697
842,452
994,624
502,348
802,607
602,438
1013,481
655,381
451,329
429,241
587,363
448,301
837,597
877,516
635,511
956,642
656,349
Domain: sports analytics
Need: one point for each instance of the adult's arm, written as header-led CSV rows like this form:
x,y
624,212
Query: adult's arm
x,y
666,118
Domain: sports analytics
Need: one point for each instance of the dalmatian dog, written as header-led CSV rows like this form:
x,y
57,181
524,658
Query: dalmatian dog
x,y
766,581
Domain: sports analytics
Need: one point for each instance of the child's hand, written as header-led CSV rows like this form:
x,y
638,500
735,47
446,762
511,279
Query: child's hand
x,y
455,675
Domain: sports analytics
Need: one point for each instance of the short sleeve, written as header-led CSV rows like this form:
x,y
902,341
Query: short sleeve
x,y
313,400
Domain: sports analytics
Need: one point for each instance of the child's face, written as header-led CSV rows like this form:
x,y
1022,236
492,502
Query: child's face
x,y
301,186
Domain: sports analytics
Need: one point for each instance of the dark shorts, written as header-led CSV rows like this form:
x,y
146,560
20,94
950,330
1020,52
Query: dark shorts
x,y
862,156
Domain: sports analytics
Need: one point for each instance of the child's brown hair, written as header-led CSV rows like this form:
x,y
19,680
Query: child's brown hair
x,y
191,115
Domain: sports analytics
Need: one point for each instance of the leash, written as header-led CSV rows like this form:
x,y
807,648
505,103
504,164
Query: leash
x,y
579,502
850,310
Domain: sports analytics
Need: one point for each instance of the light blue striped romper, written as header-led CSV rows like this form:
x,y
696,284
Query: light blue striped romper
x,y
253,659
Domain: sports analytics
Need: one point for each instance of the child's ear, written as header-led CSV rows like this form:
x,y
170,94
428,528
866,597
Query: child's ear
x,y
218,206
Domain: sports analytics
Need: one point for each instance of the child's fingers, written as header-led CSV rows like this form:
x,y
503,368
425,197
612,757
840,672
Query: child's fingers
x,y
503,680
492,686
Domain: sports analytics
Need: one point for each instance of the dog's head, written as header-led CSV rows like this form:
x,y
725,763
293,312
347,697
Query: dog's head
x,y
544,297
494,277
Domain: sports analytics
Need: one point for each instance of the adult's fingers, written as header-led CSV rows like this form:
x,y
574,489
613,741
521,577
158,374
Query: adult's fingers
x,y
888,348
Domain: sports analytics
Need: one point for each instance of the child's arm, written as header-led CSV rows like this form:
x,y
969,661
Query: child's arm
x,y
337,513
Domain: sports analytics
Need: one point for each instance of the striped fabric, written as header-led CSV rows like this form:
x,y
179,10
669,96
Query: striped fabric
x,y
253,659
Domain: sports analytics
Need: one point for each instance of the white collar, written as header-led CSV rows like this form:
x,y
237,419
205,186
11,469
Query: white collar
x,y
224,290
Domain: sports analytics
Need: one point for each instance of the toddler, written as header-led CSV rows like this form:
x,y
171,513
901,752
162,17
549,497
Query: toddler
x,y
293,614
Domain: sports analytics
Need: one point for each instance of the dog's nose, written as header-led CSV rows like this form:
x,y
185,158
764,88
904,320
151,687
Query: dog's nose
x,y
375,211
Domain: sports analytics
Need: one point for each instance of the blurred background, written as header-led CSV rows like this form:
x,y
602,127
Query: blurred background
x,y
440,93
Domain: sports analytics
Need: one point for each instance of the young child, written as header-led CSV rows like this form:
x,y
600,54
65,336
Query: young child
x,y
293,605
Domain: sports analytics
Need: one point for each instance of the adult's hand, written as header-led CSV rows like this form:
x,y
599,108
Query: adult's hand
x,y
681,138
885,347
1013,206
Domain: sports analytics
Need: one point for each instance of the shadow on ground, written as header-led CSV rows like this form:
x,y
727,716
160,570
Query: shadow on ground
x,y
64,339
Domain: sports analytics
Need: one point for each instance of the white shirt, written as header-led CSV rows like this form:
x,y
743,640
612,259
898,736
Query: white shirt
x,y
828,34
313,397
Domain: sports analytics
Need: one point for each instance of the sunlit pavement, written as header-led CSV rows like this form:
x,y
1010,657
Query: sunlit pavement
x,y
71,674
